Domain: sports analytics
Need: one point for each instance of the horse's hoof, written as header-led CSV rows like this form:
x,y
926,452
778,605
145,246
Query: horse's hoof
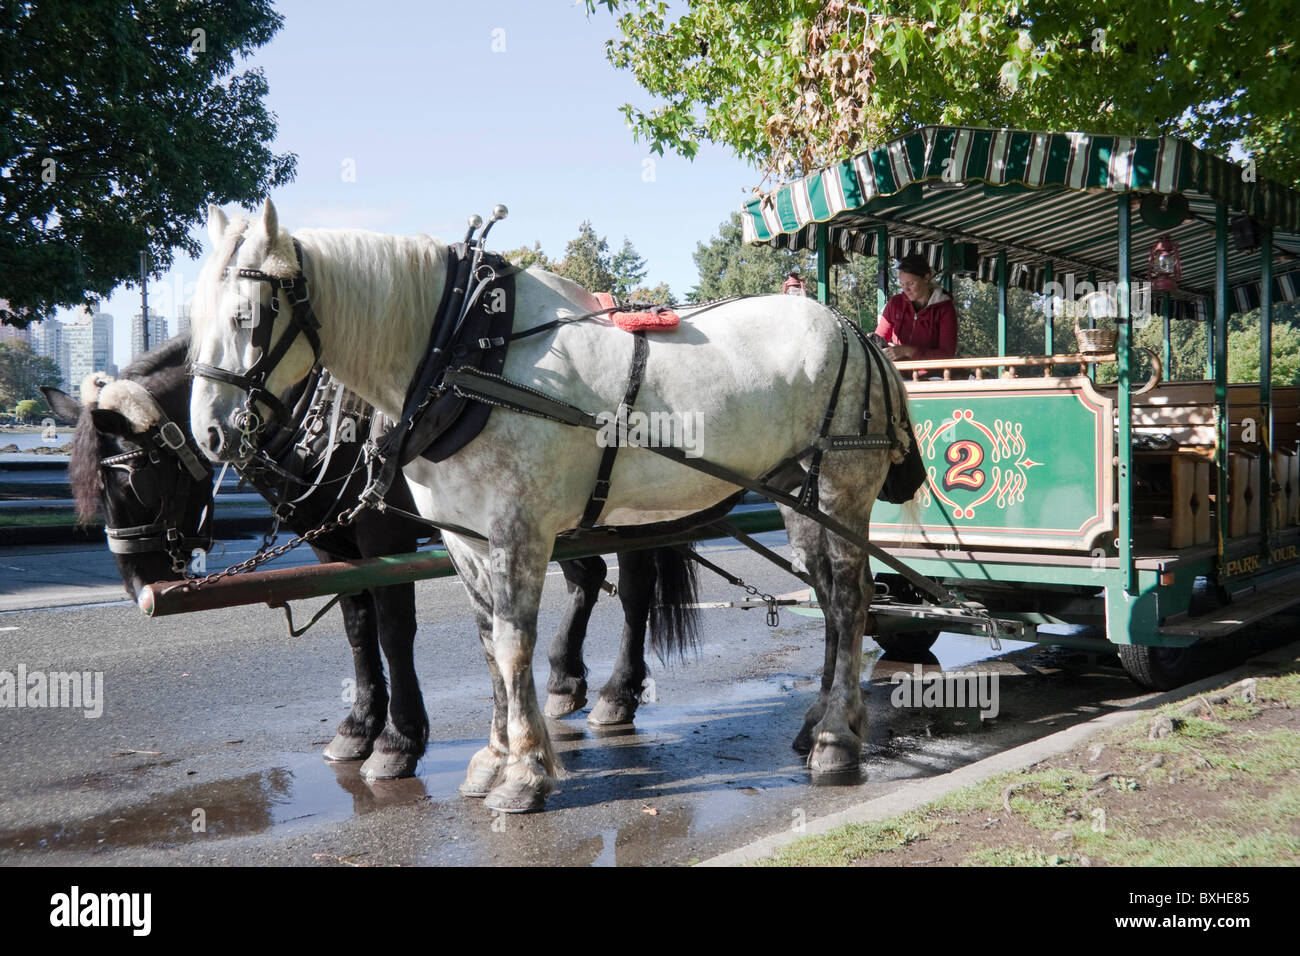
x,y
389,766
803,742
835,757
515,797
480,778
562,705
607,712
348,748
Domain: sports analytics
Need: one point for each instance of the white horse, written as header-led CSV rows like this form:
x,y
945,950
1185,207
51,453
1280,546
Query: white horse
x,y
756,373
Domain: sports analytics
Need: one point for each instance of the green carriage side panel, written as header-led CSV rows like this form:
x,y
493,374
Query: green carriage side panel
x,y
1010,463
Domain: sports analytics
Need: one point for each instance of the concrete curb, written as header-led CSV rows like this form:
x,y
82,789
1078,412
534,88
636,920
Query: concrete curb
x,y
916,793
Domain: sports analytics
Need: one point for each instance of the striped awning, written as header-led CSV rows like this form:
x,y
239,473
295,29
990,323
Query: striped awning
x,y
1045,199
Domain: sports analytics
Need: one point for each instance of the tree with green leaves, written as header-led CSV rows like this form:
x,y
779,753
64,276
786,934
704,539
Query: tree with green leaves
x,y
526,257
729,267
588,262
792,85
23,372
120,123
659,294
1243,345
30,408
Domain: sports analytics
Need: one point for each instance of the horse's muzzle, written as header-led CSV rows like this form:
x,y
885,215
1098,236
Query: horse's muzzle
x,y
216,442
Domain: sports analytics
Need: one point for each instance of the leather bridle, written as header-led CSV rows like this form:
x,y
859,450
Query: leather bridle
x,y
166,533
302,320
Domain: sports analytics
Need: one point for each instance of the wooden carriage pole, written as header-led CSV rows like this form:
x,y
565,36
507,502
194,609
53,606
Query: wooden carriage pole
x,y
1124,396
1265,502
276,588
1221,437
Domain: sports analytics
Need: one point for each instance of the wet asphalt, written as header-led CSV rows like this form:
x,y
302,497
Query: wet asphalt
x,y
208,750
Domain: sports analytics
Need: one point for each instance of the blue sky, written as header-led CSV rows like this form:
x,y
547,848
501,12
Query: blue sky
x,y
439,126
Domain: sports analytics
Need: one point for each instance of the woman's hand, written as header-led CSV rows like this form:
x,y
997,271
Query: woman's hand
x,y
900,353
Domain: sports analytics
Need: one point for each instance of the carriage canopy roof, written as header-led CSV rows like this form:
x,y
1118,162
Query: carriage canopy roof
x,y
1043,198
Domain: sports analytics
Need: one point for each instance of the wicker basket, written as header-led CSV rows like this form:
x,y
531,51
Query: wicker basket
x,y
1094,341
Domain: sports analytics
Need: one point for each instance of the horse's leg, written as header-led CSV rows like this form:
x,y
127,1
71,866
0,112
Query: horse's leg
x,y
621,695
519,553
808,541
838,736
567,687
486,765
401,745
364,722
847,482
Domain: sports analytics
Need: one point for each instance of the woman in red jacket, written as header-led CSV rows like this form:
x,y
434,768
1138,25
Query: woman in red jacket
x,y
921,321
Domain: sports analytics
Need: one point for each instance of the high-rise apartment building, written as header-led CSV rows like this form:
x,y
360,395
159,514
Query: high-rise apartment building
x,y
157,333
183,319
87,346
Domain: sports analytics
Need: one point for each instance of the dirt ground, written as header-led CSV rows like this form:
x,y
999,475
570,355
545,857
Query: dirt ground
x,y
1213,780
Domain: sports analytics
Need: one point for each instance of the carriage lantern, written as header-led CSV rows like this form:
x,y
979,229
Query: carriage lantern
x,y
1164,267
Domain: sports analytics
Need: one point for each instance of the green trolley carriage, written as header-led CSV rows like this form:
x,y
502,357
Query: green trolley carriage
x,y
1161,513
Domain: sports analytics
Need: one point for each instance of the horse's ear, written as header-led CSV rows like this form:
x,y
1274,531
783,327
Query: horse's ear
x,y
62,404
217,223
270,221
109,422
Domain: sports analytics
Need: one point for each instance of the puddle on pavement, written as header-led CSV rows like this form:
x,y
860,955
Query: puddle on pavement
x,y
303,789
701,767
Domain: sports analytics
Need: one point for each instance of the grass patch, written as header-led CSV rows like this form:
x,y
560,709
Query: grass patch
x,y
1222,791
1012,856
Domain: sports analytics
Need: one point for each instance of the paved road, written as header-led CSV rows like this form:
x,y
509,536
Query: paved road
x,y
221,713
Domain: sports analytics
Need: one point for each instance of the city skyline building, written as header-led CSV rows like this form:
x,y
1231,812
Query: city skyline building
x,y
157,329
87,346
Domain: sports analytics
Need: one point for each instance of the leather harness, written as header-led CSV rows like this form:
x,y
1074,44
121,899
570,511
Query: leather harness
x,y
302,320
165,532
440,375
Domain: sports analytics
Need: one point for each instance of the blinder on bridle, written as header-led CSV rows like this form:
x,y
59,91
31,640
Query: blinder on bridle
x,y
302,320
166,532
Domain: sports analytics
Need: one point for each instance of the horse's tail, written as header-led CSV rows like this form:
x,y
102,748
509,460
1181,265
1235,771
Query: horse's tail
x,y
674,619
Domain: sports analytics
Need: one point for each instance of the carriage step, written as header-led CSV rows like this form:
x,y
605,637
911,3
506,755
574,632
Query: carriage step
x,y
1240,613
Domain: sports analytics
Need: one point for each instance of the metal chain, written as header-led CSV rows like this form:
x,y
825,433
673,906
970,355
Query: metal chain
x,y
263,555
773,616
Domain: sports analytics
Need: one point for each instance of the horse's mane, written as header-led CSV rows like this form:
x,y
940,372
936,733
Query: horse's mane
x,y
393,282
160,371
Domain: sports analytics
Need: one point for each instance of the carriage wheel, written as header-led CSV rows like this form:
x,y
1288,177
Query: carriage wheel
x,y
1160,668
906,644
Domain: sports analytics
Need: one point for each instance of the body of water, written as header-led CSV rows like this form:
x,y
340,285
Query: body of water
x,y
26,441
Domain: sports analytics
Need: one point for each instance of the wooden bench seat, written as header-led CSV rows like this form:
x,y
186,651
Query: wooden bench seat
x,y
1174,430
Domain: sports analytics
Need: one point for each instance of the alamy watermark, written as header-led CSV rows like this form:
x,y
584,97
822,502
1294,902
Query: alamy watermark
x,y
129,910
77,690
946,690
631,429
1073,299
